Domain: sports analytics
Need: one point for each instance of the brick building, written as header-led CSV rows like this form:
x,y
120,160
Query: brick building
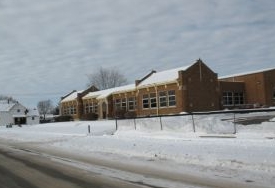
x,y
185,89
72,103
253,88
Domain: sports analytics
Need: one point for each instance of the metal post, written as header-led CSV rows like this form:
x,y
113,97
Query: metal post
x,y
194,128
135,124
116,124
161,128
235,128
89,129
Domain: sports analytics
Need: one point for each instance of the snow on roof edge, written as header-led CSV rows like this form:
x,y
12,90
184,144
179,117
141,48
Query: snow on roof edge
x,y
246,73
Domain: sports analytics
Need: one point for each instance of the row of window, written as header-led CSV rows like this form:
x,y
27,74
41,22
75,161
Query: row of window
x,y
233,98
71,110
125,104
165,99
91,108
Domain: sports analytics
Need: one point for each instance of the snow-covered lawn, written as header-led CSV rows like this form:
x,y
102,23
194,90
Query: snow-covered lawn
x,y
248,155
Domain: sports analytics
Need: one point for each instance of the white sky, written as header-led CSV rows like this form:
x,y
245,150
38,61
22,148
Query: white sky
x,y
48,47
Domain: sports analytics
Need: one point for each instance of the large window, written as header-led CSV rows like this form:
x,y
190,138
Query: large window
x,y
131,103
227,98
171,98
72,110
162,99
238,98
123,104
145,101
117,104
91,107
231,99
153,100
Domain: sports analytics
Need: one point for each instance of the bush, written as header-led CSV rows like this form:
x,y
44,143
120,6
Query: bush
x,y
131,114
119,113
90,116
63,118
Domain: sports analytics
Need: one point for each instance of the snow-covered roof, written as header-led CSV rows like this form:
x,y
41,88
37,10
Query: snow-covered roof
x,y
6,106
105,93
163,76
72,96
33,112
246,73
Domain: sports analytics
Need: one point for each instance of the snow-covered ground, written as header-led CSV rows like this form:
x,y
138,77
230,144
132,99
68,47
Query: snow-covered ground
x,y
247,156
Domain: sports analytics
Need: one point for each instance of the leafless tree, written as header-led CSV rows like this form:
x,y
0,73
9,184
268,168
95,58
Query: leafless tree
x,y
105,78
45,107
7,98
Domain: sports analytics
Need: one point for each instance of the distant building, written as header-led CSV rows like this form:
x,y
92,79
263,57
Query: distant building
x,y
252,88
185,89
14,113
72,103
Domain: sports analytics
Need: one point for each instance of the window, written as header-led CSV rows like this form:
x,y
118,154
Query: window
x,y
124,104
117,104
227,98
91,107
131,103
65,111
153,100
171,98
145,101
86,108
95,107
163,99
72,110
238,98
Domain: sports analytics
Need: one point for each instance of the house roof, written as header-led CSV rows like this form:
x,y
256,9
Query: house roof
x,y
246,73
163,76
72,96
6,106
107,92
33,112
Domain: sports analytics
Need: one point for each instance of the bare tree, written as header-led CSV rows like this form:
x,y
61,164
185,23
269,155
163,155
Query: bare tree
x,y
45,107
7,98
105,78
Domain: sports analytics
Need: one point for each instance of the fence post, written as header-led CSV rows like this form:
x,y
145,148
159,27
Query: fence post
x,y
116,125
194,128
161,128
135,124
234,119
89,129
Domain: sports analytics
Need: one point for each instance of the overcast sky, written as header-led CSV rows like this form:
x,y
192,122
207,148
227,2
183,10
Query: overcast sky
x,y
47,47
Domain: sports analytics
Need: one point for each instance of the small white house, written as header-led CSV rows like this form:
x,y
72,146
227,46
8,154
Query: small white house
x,y
14,113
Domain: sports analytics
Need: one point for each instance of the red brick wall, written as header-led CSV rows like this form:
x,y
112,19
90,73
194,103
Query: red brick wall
x,y
200,88
258,87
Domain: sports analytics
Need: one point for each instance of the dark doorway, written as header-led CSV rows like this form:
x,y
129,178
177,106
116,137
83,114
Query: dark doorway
x,y
20,120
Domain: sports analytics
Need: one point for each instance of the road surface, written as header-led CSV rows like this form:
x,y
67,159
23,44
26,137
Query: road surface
x,y
29,167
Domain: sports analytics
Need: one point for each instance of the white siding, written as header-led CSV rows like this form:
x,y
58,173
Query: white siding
x,y
6,119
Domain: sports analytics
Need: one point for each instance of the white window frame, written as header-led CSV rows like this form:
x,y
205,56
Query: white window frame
x,y
131,103
153,100
228,96
172,98
163,99
145,98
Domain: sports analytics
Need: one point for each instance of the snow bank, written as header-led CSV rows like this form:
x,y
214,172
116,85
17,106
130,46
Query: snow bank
x,y
183,124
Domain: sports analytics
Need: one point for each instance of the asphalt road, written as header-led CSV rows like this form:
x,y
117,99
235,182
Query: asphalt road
x,y
23,170
27,166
